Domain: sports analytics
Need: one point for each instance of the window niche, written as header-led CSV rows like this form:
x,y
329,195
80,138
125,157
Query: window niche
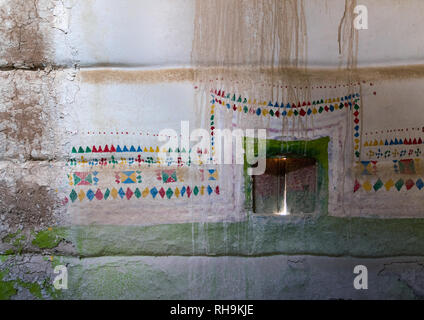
x,y
295,180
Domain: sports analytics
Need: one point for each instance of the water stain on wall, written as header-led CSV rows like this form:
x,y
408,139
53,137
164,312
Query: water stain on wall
x,y
24,43
25,114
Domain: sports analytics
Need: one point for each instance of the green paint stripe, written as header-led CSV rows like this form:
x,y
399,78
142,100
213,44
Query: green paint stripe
x,y
259,235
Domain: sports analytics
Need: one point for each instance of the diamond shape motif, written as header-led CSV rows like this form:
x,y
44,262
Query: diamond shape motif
x,y
121,193
145,192
210,190
196,190
114,193
378,185
409,184
99,195
188,191
73,195
137,193
153,192
367,186
399,184
169,193
90,195
356,186
389,184
162,192
129,193
107,193
81,195
419,184
183,191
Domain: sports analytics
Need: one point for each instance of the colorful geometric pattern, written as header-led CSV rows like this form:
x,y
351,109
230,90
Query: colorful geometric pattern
x,y
277,109
407,166
113,162
290,109
155,193
167,176
132,149
395,142
394,153
127,177
83,178
390,184
212,174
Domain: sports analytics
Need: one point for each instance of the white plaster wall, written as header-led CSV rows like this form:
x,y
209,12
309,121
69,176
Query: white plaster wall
x,y
160,33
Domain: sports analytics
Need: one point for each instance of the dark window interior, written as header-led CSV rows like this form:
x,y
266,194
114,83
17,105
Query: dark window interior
x,y
288,186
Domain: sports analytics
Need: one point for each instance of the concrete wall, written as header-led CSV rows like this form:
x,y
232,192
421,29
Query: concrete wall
x,y
77,76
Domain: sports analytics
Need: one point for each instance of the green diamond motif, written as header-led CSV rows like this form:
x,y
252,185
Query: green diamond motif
x,y
137,193
245,109
196,190
271,113
399,184
73,195
169,193
106,195
378,185
321,109
295,112
356,107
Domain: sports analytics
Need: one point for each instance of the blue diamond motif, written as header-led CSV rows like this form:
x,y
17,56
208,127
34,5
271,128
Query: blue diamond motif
x,y
121,193
154,192
90,194
420,184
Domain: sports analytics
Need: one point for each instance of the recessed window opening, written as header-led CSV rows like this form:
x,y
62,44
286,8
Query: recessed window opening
x,y
288,186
